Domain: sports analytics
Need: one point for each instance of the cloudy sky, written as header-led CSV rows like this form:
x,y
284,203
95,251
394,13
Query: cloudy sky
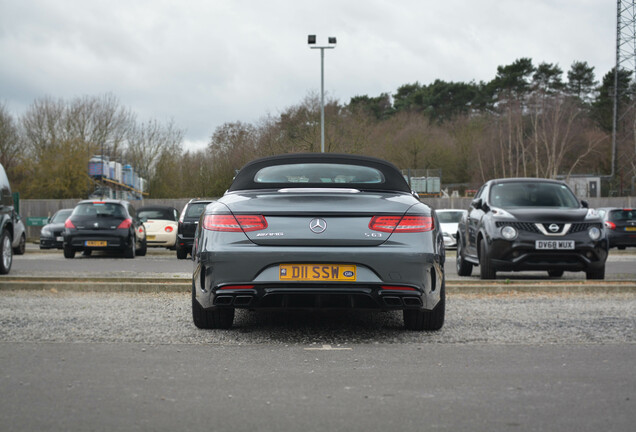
x,y
203,63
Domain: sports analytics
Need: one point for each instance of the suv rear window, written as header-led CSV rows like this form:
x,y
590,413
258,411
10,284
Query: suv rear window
x,y
532,194
195,209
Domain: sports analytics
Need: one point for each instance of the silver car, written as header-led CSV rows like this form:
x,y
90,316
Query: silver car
x,y
318,231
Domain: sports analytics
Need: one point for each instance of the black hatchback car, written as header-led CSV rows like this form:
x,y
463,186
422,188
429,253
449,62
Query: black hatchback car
x,y
110,225
188,222
51,236
621,226
523,224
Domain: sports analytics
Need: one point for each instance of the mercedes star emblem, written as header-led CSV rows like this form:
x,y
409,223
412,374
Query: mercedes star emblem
x,y
317,225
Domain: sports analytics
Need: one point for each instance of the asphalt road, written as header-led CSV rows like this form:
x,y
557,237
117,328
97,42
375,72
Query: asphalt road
x,y
74,360
160,262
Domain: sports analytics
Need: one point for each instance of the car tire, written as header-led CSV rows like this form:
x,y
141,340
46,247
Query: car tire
x,y
21,247
486,270
181,253
555,273
433,320
598,274
6,252
211,318
143,249
69,252
130,250
464,268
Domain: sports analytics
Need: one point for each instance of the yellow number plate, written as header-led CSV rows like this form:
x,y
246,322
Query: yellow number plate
x,y
93,243
151,237
317,272
630,228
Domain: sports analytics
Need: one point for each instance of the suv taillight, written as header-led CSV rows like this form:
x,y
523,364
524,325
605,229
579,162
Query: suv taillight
x,y
230,223
402,224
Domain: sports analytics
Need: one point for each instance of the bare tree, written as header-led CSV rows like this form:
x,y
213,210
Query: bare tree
x,y
9,139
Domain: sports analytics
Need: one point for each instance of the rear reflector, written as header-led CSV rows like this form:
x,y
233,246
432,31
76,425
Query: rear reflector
x,y
234,224
233,287
401,224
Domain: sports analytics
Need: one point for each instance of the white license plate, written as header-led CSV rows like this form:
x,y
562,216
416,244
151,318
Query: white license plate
x,y
59,239
554,244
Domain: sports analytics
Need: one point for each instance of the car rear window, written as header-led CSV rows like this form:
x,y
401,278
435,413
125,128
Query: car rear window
x,y
99,209
61,216
449,217
195,209
622,215
160,214
532,194
319,173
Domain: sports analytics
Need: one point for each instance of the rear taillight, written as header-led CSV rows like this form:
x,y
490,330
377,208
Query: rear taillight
x,y
231,223
125,224
168,229
610,225
68,224
402,224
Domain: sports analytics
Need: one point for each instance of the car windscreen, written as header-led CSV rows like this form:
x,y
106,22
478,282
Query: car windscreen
x,y
99,209
157,214
61,216
532,194
449,216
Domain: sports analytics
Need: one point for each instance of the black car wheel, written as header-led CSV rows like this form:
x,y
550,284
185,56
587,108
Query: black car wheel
x,y
69,252
598,274
464,268
6,252
21,247
485,266
181,253
130,250
555,273
424,319
143,249
211,318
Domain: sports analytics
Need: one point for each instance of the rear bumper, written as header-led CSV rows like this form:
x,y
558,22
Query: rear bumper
x,y
160,239
376,267
115,240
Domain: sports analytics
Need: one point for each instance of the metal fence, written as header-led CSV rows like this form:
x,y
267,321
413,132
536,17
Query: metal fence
x,y
31,208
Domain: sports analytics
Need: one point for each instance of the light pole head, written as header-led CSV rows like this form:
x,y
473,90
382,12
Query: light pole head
x,y
332,40
311,39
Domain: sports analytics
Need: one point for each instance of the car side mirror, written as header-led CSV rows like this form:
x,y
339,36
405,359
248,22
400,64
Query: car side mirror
x,y
585,204
476,203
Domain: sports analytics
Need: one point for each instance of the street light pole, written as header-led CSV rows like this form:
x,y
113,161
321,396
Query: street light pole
x,y
311,40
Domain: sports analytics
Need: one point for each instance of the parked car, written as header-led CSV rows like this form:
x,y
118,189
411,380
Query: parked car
x,y
621,226
51,235
19,236
319,231
7,220
188,222
160,223
448,220
522,224
104,225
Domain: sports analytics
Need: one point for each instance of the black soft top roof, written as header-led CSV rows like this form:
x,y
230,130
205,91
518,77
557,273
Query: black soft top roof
x,y
394,181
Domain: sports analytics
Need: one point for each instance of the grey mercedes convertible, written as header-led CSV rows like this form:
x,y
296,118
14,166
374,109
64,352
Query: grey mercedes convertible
x,y
318,231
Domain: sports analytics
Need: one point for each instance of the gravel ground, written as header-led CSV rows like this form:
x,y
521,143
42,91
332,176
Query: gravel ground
x,y
165,318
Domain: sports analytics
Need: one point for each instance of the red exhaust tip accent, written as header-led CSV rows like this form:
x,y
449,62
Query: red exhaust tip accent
x,y
229,287
397,288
